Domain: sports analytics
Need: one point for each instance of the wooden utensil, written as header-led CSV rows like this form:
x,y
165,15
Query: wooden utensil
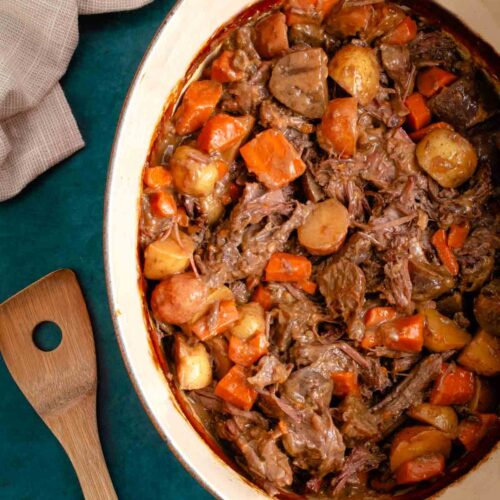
x,y
60,384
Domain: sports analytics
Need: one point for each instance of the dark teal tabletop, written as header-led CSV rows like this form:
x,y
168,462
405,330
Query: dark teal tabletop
x,y
57,222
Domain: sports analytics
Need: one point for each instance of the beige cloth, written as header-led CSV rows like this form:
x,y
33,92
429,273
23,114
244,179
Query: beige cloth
x,y
37,128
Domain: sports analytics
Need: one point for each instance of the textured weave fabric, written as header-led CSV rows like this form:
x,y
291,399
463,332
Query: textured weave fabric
x,y
37,128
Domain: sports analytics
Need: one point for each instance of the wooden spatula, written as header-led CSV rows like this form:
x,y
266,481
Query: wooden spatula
x,y
60,384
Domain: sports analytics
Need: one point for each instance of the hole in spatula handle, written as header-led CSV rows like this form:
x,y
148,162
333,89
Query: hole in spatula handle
x,y
47,336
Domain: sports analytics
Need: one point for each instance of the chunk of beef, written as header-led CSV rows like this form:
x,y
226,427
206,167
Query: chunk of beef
x,y
401,150
399,286
407,393
361,459
313,440
264,459
463,104
298,81
308,387
405,362
477,258
359,424
433,49
343,285
306,34
270,370
397,64
379,170
428,280
274,116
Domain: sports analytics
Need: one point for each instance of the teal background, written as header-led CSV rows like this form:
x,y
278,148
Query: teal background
x,y
57,222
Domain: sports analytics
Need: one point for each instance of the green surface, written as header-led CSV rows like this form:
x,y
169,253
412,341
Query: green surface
x,y
57,222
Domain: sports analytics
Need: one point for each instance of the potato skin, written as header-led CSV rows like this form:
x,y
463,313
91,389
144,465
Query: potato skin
x,y
447,157
482,355
442,334
443,418
178,298
357,71
193,365
250,322
163,258
325,230
193,172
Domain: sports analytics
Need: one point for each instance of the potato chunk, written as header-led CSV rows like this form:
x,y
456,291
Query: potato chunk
x,y
193,365
271,36
250,322
443,418
165,257
357,71
447,157
179,298
482,355
413,442
443,334
193,172
325,229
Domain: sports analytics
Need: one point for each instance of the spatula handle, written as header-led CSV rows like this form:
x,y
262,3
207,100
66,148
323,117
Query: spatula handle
x,y
76,429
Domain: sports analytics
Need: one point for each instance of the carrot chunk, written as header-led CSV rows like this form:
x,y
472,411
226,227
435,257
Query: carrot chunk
x,y
431,81
163,204
247,352
420,114
377,315
224,70
308,11
454,386
271,36
288,267
403,33
371,339
444,252
222,132
338,130
420,134
235,389
197,105
345,383
226,316
263,296
273,159
308,286
403,334
458,234
420,469
157,177
472,431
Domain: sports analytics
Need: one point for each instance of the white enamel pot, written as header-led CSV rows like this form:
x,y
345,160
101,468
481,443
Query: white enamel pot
x,y
181,36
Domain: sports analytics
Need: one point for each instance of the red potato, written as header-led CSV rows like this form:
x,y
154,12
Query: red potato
x,y
325,229
357,71
271,36
338,133
178,298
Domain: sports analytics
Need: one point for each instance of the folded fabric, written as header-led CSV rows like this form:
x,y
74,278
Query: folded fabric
x,y
37,128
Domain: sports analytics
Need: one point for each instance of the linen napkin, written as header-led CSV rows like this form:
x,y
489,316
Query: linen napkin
x,y
37,128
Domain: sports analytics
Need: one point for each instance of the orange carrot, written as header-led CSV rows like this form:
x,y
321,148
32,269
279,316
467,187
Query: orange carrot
x,y
431,81
420,114
162,204
371,339
182,217
403,334
223,69
221,132
222,168
446,256
273,159
454,386
473,430
227,315
377,315
263,297
288,267
157,177
420,469
247,352
235,389
345,383
420,134
458,234
338,130
197,105
308,286
403,33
